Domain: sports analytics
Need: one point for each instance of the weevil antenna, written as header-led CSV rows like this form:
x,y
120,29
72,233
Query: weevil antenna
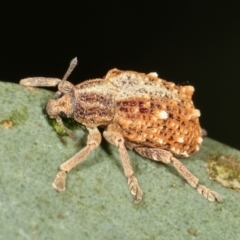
x,y
72,65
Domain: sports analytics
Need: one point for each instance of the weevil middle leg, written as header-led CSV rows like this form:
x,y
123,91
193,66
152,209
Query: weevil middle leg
x,y
117,139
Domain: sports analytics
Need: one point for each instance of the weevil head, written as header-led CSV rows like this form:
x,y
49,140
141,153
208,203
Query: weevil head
x,y
60,107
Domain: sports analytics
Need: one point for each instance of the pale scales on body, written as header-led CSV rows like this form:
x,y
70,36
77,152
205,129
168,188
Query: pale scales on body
x,y
138,111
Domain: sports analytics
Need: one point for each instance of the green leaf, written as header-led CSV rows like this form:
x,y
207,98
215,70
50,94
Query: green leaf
x,y
97,203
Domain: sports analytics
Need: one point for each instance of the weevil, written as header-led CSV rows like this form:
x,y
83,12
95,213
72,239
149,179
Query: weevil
x,y
141,112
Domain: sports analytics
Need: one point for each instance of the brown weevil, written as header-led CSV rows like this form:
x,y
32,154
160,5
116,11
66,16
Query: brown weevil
x,y
138,111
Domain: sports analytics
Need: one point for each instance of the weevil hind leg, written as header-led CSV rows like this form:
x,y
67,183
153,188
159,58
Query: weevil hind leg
x,y
167,157
204,132
117,139
93,141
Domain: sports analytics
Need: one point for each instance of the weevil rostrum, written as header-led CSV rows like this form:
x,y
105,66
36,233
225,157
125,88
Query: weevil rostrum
x,y
138,111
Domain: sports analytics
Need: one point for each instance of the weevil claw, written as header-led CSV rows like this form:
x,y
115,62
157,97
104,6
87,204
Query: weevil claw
x,y
135,189
60,181
209,194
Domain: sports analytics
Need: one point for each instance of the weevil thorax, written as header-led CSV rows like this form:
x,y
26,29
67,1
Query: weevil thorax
x,y
94,102
62,107
156,113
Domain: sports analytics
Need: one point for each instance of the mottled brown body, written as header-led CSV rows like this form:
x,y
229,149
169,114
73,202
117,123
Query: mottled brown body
x,y
157,113
94,102
138,111
133,103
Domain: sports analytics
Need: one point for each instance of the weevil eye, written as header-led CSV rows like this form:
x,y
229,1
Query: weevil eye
x,y
62,114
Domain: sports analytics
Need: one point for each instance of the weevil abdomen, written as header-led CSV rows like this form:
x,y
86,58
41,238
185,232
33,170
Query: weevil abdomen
x,y
160,124
159,115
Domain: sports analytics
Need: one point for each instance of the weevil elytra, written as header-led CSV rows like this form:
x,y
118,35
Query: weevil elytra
x,y
138,111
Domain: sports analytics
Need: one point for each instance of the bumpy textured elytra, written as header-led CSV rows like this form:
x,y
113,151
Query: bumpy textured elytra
x,y
138,111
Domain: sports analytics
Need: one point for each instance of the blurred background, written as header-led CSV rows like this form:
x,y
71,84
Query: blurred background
x,y
193,42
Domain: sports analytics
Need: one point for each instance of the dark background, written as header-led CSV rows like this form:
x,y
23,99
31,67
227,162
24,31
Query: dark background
x,y
197,42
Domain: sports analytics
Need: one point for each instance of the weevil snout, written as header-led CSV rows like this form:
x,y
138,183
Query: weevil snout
x,y
52,108
59,107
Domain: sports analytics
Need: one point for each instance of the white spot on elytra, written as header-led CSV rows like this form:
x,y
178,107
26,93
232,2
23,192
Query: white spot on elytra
x,y
173,149
163,114
183,89
190,89
196,113
177,151
154,130
154,74
180,140
197,148
160,141
185,154
200,140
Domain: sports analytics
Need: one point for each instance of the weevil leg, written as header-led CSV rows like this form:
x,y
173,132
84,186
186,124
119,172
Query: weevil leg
x,y
68,131
117,139
40,82
93,141
167,157
49,82
204,132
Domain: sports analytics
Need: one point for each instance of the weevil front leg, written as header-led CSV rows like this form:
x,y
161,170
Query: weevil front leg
x,y
68,131
40,82
117,139
167,157
46,82
93,141
63,85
